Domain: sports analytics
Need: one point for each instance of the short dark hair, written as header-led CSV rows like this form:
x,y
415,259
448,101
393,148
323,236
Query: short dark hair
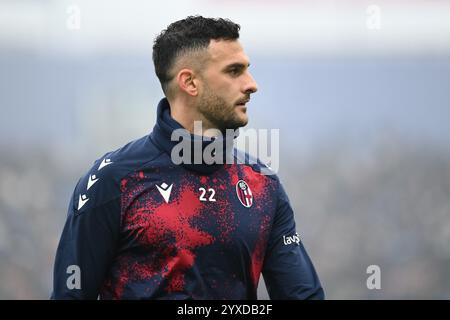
x,y
191,33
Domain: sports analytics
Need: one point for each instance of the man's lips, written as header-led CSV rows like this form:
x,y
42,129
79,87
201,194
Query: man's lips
x,y
242,102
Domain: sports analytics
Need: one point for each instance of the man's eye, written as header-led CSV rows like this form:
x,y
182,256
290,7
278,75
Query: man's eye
x,y
234,72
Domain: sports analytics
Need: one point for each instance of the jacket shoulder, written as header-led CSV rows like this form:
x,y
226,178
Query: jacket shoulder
x,y
255,163
101,183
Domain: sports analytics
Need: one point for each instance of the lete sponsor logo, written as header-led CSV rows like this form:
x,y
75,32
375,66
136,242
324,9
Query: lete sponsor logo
x,y
291,239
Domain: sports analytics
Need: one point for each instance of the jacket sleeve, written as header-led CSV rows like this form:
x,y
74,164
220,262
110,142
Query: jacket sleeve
x,y
288,271
87,246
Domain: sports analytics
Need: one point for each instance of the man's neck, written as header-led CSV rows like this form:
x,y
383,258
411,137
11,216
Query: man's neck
x,y
186,116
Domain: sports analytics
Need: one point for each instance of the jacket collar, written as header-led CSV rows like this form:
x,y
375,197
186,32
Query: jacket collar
x,y
162,133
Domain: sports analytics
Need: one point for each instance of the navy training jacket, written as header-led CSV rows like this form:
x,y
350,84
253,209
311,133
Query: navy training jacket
x,y
141,227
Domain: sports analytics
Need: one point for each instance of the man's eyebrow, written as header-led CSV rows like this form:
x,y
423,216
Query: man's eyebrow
x,y
237,65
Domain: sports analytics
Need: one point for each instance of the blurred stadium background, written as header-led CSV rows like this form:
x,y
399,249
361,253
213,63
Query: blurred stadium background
x,y
360,91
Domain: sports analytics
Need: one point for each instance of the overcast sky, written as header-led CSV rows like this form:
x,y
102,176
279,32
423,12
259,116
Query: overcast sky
x,y
291,27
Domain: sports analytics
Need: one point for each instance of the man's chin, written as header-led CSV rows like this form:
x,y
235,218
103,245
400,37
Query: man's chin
x,y
243,118
244,122
241,123
236,124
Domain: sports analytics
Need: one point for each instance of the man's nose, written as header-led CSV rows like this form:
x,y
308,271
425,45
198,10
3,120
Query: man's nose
x,y
250,86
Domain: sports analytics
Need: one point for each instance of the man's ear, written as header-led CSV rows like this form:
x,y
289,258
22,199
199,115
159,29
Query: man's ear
x,y
187,82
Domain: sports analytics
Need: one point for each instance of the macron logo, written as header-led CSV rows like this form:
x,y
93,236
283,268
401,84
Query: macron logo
x,y
82,201
92,179
105,162
165,190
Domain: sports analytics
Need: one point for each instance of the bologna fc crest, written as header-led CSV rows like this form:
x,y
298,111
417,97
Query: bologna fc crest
x,y
244,193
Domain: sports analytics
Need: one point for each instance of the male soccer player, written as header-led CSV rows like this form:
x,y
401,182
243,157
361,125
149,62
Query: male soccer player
x,y
139,226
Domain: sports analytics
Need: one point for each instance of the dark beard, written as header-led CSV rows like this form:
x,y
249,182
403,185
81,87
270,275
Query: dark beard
x,y
218,112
